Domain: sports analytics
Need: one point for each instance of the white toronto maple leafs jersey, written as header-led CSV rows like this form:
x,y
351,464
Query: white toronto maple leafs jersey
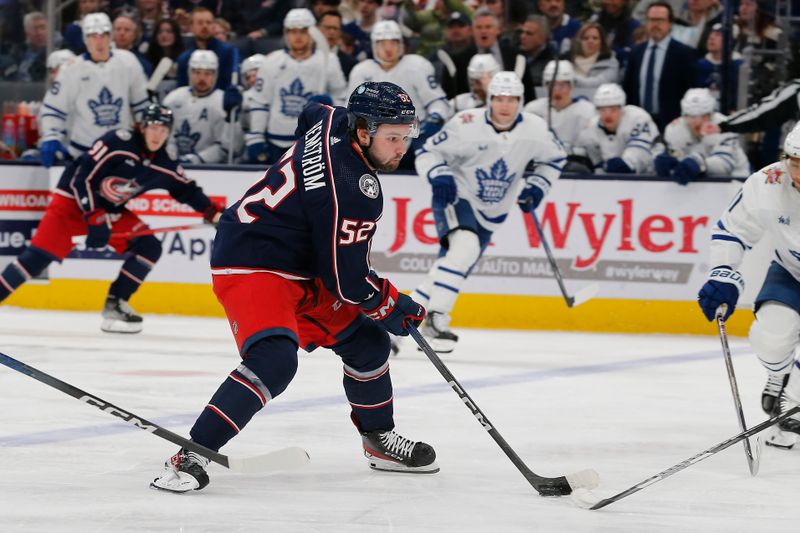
x,y
282,89
415,75
200,126
490,167
721,152
465,101
567,123
88,99
633,141
767,203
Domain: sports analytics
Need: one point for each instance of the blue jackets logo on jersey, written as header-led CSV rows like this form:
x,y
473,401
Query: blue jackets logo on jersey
x,y
185,139
118,190
294,100
492,186
106,110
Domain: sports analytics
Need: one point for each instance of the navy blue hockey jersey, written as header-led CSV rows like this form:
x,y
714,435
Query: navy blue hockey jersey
x,y
118,167
313,215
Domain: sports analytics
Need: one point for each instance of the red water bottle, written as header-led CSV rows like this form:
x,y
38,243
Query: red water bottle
x,y
9,138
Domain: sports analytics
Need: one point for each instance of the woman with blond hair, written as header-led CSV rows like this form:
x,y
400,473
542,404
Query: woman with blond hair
x,y
592,57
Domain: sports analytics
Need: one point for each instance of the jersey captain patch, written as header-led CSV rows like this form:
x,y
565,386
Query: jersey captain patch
x,y
369,186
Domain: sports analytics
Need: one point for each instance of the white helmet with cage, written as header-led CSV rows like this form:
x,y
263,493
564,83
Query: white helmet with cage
x,y
609,94
697,102
791,145
481,64
565,72
94,23
203,60
299,18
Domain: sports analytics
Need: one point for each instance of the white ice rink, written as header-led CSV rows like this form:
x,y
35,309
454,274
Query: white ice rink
x,y
628,406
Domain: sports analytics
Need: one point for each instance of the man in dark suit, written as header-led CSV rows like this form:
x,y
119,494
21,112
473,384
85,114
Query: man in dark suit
x,y
661,70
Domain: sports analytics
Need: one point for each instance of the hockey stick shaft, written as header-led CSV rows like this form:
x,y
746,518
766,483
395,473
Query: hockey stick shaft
x,y
696,458
546,486
80,239
556,272
752,460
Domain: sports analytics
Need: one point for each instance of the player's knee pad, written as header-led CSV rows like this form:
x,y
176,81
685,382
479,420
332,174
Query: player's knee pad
x,y
270,363
775,334
146,248
463,251
367,349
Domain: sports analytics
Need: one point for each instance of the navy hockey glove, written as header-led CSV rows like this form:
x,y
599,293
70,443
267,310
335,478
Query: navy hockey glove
x,y
52,152
723,287
258,153
444,189
686,170
664,164
617,165
99,231
213,213
530,198
231,99
396,311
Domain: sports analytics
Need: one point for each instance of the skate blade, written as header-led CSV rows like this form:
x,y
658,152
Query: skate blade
x,y
384,465
111,325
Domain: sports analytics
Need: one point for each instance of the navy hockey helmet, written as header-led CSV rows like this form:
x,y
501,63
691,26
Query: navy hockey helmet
x,y
157,114
381,103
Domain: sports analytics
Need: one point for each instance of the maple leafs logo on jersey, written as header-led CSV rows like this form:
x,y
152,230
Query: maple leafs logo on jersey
x,y
493,185
106,110
294,99
186,139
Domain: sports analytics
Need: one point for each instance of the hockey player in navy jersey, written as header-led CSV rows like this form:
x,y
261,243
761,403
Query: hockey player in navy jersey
x,y
90,199
291,268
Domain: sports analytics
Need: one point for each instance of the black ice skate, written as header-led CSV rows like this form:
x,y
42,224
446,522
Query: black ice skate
x,y
436,330
388,451
183,472
771,393
119,317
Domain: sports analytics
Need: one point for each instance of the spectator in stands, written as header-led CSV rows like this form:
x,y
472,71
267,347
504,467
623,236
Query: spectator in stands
x,y
757,31
694,23
562,27
615,17
452,60
361,28
486,32
710,67
149,14
330,24
222,30
535,50
202,30
592,58
73,35
166,42
660,71
27,61
321,7
430,23
510,15
126,36
259,22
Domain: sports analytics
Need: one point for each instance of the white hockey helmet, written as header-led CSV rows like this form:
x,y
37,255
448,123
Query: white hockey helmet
x,y
386,30
791,146
481,64
506,83
565,72
609,94
203,60
94,23
58,58
698,102
299,18
252,63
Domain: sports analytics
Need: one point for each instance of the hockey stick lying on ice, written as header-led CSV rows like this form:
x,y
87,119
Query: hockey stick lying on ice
x,y
284,459
586,293
80,239
587,500
546,486
753,457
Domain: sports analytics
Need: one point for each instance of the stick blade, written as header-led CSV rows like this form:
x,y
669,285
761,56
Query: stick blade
x,y
585,294
285,459
754,457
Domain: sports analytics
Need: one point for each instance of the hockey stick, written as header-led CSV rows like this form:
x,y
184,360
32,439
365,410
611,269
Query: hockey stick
x,y
286,458
546,486
80,239
158,75
753,457
588,500
586,293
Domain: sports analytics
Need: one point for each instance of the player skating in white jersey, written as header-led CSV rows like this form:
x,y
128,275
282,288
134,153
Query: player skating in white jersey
x,y
568,116
285,83
692,150
99,92
767,204
481,69
620,139
412,72
481,164
201,133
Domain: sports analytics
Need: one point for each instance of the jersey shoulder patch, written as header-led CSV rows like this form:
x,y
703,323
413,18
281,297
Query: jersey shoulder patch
x,y
370,186
773,175
125,135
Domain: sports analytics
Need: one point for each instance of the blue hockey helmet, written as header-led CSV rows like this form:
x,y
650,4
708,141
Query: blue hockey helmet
x,y
381,103
157,114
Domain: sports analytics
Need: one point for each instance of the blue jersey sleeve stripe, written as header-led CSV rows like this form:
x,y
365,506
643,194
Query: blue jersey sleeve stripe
x,y
729,238
55,109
